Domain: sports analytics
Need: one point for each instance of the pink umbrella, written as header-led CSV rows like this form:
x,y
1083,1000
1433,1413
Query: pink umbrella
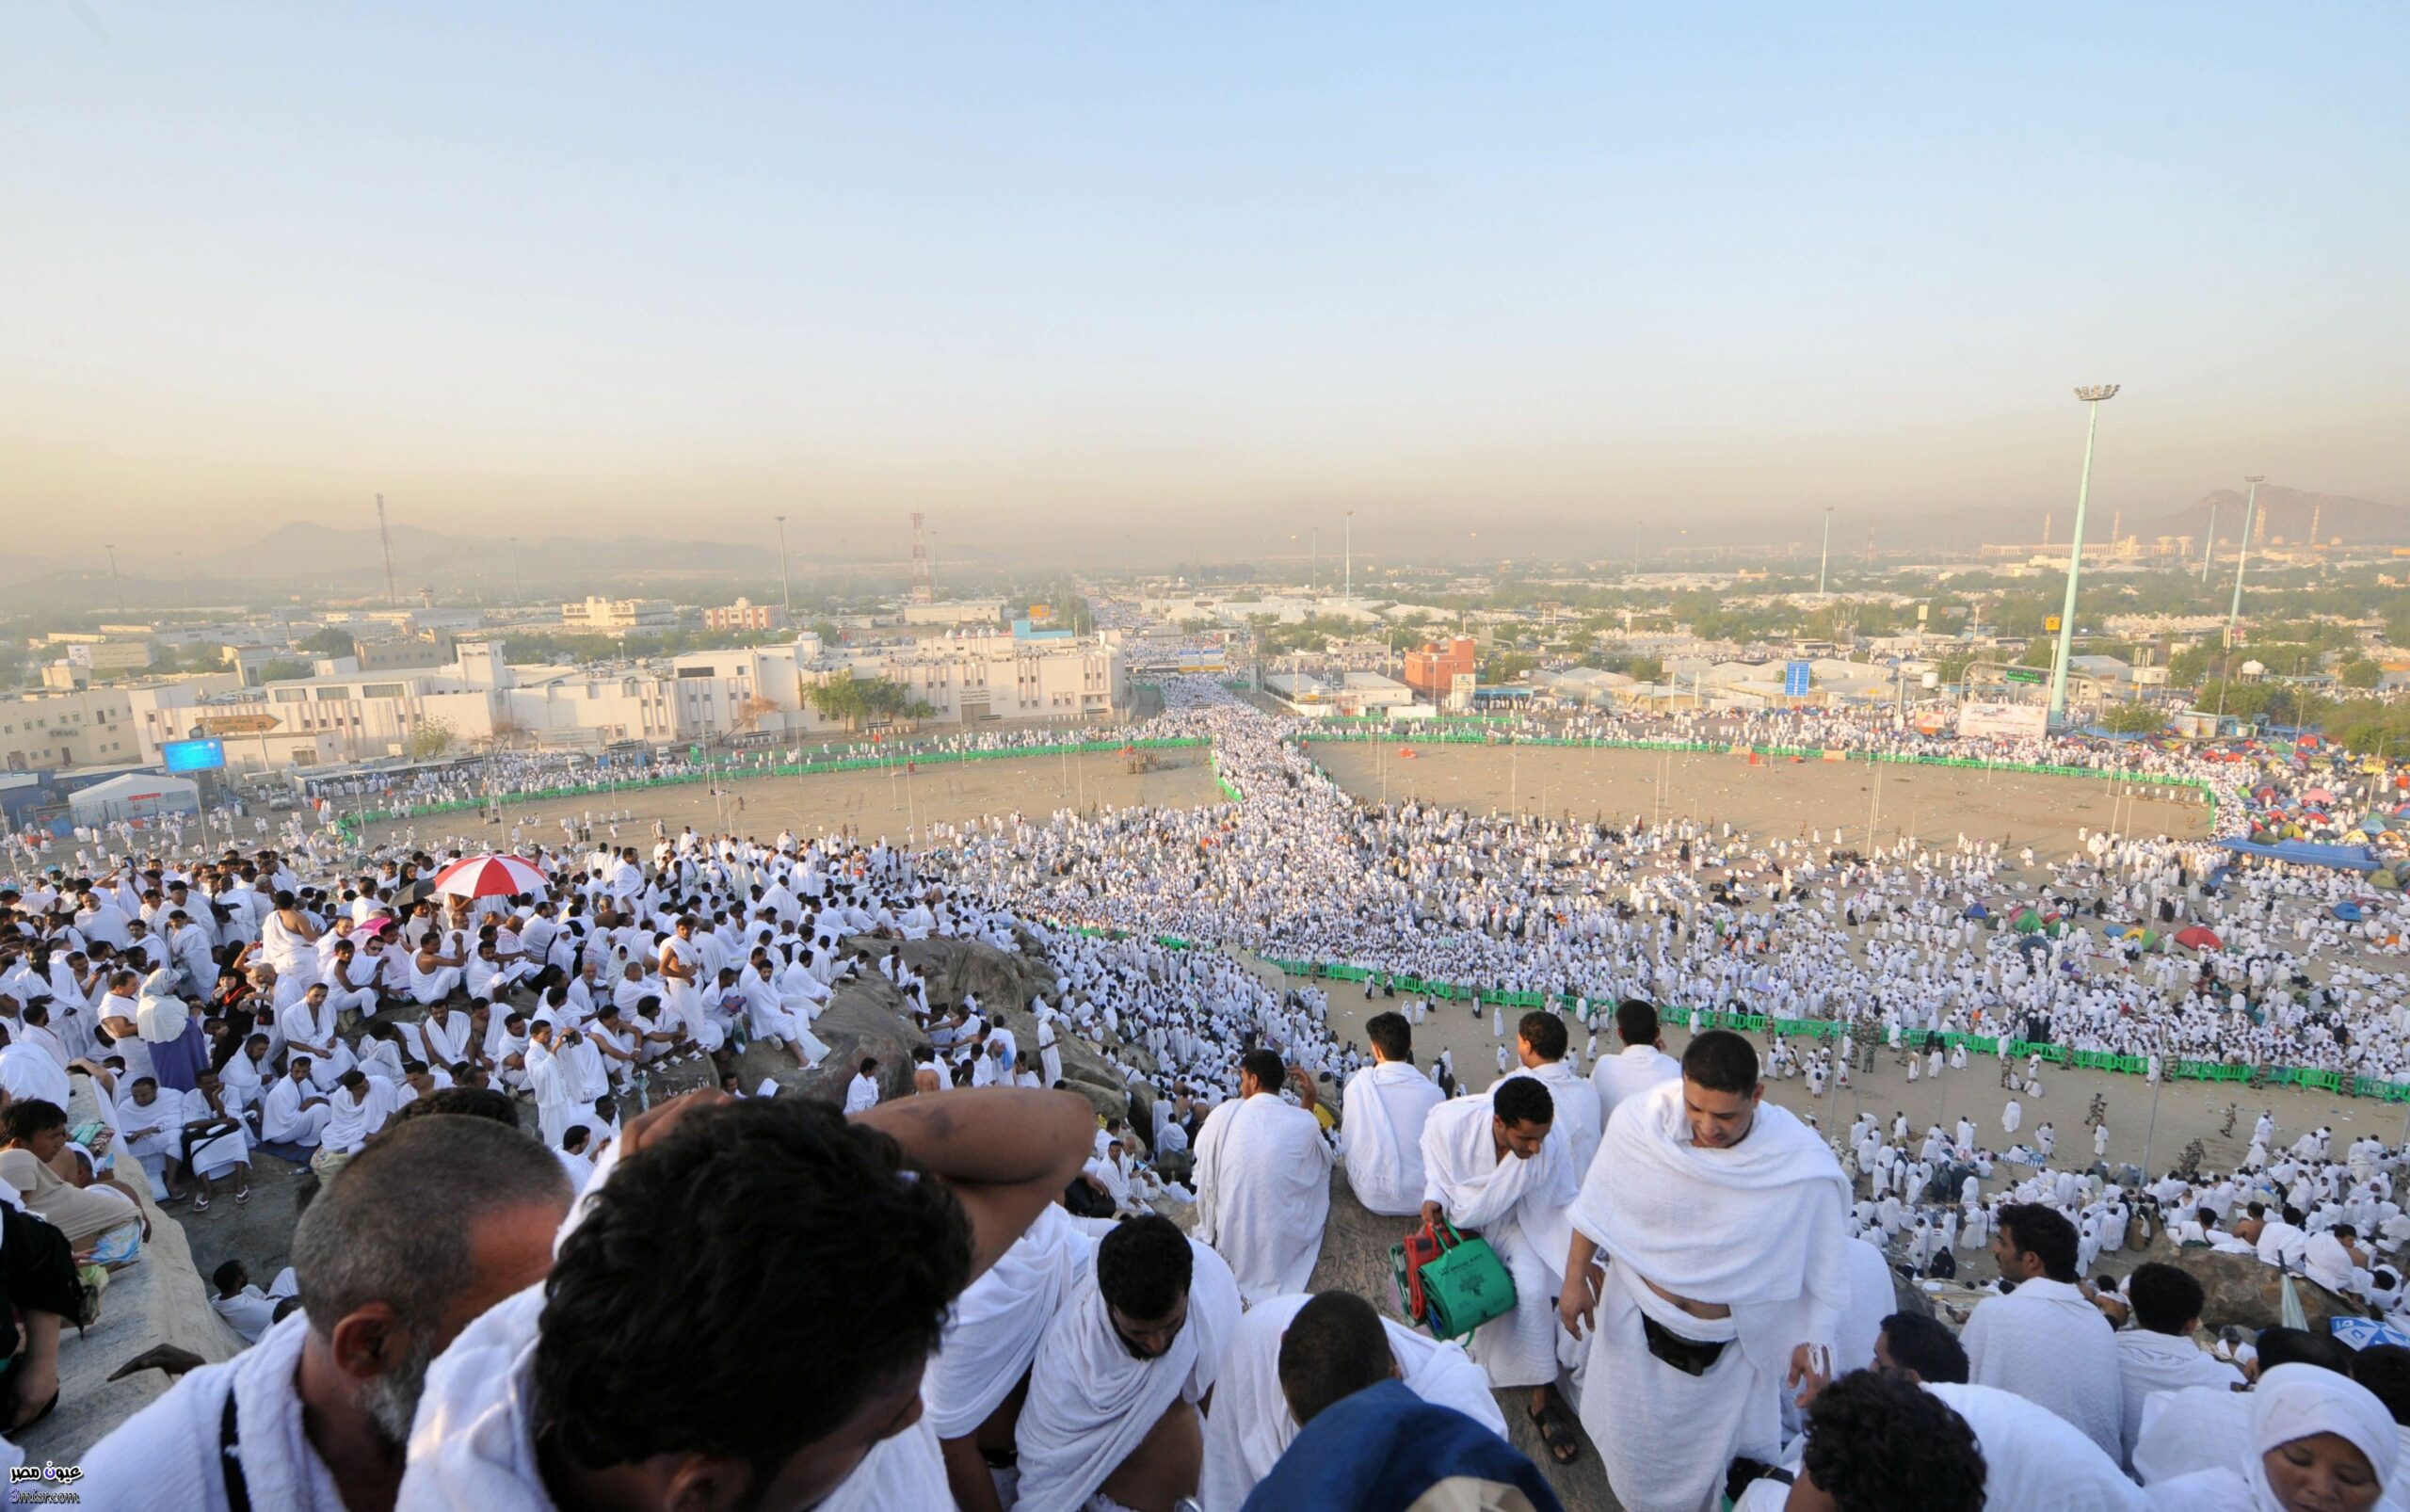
x,y
490,877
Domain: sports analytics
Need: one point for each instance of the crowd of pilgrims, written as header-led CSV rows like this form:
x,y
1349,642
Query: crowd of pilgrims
x,y
307,1002
1687,912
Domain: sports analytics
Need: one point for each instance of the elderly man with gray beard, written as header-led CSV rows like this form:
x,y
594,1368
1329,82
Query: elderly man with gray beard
x,y
429,1226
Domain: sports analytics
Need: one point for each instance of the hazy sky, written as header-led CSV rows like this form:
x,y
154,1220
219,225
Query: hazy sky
x,y
1073,274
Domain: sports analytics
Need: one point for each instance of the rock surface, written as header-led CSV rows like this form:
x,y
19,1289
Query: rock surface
x,y
2243,1291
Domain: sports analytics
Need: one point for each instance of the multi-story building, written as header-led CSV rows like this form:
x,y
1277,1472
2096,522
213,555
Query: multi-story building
x,y
617,615
746,615
957,612
68,727
977,678
1431,670
317,721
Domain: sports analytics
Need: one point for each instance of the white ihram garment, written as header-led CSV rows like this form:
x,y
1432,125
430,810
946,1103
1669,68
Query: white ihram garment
x,y
993,1331
1514,1203
1380,1136
473,1446
1757,1228
1264,1191
1091,1400
1252,1426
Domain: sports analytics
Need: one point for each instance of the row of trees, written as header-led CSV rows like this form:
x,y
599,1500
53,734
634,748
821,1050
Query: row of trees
x,y
855,700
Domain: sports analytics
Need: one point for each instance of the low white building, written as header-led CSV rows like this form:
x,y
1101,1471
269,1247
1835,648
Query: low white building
x,y
80,726
617,615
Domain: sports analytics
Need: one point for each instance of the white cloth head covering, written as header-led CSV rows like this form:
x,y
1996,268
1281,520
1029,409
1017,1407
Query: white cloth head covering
x,y
160,1015
2302,1401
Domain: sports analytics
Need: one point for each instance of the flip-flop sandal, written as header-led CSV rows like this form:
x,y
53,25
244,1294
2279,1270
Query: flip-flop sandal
x,y
1557,1435
201,1205
242,1197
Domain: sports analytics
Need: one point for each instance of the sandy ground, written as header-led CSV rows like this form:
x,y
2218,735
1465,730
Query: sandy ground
x,y
871,803
1778,800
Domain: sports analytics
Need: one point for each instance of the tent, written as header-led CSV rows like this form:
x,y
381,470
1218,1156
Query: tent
x,y
2199,937
2348,912
1976,910
139,796
2303,853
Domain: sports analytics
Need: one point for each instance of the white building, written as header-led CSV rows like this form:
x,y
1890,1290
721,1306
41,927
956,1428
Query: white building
x,y
957,612
617,615
68,727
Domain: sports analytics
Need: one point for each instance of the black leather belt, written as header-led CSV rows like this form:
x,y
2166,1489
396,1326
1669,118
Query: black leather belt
x,y
1692,1357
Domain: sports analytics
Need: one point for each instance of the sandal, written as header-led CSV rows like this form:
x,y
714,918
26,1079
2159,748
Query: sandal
x,y
199,1203
242,1197
1556,1434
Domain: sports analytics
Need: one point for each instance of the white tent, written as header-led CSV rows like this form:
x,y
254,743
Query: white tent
x,y
135,796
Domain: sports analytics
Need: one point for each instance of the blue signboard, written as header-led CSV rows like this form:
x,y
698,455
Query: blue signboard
x,y
194,755
1795,679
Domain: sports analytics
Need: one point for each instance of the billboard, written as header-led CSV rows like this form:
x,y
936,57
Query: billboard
x,y
2005,722
194,755
1796,678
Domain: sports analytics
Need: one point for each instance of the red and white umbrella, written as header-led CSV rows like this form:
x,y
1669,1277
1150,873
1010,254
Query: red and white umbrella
x,y
490,877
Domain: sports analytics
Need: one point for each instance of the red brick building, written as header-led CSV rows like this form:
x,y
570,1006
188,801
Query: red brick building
x,y
1429,671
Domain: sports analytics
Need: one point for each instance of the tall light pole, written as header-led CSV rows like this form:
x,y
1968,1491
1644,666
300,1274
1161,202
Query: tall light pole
x,y
1826,559
786,594
1348,551
2242,549
2092,399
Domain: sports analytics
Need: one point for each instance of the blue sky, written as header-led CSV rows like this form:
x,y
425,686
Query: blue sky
x,y
1070,275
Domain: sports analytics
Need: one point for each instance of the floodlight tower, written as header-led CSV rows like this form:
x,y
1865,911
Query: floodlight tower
x,y
1825,559
786,592
2093,397
2242,549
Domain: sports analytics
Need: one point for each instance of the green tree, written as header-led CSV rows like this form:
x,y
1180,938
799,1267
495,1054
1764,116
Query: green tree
x,y
2362,673
328,642
283,670
2134,719
432,738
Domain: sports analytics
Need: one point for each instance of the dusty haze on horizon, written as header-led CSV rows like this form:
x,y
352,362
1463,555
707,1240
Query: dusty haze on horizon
x,y
1084,279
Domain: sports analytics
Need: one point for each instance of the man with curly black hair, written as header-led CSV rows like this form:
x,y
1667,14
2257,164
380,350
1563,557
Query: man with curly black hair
x,y
1113,1393
740,1311
1878,1442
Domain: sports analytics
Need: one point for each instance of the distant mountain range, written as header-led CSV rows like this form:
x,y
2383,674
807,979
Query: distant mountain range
x,y
2291,513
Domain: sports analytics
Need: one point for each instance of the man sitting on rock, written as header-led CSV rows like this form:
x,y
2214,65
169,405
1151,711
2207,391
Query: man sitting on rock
x,y
1138,1341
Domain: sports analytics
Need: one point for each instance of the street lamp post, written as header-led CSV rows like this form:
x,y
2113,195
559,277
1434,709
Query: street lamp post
x,y
2242,550
1825,559
786,594
2092,399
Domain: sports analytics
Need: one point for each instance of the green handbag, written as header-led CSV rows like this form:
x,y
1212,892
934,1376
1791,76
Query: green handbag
x,y
1462,1287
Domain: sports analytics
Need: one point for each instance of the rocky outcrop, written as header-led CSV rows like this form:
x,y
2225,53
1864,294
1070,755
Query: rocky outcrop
x,y
867,1017
2243,1293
